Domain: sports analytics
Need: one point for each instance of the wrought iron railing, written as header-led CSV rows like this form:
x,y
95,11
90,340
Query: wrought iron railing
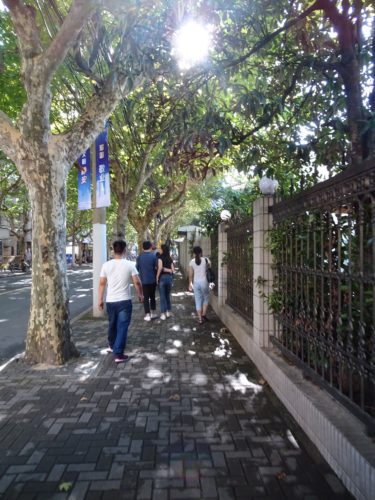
x,y
239,261
324,298
215,258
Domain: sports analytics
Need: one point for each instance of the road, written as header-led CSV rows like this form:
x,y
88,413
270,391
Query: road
x,y
15,305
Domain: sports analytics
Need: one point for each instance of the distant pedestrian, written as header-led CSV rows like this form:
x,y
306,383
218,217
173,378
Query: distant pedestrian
x,y
28,256
164,278
198,282
118,274
147,265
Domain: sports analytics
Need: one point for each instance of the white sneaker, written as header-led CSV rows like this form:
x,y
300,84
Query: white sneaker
x,y
169,314
163,316
154,315
147,317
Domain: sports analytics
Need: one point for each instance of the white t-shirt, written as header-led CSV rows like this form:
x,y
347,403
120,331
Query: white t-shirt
x,y
200,270
119,274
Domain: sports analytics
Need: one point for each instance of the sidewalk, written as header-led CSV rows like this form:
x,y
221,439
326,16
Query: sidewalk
x,y
188,416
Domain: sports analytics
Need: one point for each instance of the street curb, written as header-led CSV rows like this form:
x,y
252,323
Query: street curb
x,y
80,315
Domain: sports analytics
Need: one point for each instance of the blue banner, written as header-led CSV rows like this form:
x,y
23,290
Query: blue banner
x,y
84,182
103,194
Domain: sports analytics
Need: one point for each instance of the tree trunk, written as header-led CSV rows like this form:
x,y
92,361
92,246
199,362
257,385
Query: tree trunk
x,y
120,228
143,235
48,337
156,233
73,246
122,218
21,245
79,245
350,73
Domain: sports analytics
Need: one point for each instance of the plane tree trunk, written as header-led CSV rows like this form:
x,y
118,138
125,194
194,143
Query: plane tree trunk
x,y
43,161
49,332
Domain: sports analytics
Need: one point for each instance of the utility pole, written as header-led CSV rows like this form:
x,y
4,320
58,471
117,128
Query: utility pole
x,y
99,235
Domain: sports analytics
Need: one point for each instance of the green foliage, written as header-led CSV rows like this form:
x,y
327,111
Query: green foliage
x,y
238,202
12,94
272,105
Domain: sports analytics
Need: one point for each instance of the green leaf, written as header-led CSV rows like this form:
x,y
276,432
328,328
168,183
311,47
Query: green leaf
x,y
67,486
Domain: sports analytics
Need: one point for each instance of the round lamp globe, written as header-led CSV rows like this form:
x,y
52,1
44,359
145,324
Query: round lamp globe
x,y
225,215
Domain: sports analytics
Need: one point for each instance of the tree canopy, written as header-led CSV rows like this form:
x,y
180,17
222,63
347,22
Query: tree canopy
x,y
288,89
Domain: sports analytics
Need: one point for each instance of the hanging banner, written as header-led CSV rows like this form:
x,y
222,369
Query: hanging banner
x,y
103,195
84,182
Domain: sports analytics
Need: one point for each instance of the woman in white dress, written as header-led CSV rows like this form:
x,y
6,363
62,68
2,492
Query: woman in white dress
x,y
198,282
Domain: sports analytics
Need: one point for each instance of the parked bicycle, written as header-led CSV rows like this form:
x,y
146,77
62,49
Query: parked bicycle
x,y
16,264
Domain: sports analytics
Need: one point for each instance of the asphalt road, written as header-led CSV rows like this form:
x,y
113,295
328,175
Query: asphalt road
x,y
15,306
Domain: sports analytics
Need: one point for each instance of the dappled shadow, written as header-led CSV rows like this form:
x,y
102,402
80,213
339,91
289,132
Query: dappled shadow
x,y
187,410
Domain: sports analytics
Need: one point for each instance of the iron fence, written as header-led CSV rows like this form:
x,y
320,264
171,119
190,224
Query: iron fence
x,y
324,298
240,268
215,258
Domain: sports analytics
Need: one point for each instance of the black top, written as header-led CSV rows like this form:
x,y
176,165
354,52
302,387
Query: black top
x,y
166,261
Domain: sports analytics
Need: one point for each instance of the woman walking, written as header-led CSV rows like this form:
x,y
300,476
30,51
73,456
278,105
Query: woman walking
x,y
164,278
198,282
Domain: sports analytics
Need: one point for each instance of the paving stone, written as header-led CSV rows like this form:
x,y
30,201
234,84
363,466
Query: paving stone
x,y
79,490
168,483
170,423
145,490
160,495
56,472
226,494
113,485
81,467
49,496
18,469
185,493
30,476
5,481
117,471
209,489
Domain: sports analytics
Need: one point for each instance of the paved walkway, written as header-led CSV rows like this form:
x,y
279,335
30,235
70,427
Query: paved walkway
x,y
188,416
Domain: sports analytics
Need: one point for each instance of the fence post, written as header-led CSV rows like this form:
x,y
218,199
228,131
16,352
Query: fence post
x,y
222,266
263,323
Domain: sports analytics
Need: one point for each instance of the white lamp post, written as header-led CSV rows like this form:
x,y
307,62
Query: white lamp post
x,y
268,186
225,215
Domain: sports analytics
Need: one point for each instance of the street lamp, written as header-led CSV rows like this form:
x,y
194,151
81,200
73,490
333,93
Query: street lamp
x,y
268,186
225,215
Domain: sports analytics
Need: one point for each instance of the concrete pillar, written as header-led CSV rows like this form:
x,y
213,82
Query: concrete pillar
x,y
263,322
222,266
99,254
182,256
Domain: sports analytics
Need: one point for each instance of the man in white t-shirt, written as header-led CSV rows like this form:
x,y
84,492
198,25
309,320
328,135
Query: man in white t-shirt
x,y
118,274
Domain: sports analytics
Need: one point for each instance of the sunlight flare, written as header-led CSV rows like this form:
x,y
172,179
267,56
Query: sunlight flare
x,y
192,44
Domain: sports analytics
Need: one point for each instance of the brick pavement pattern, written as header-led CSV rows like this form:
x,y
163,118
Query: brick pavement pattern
x,y
188,416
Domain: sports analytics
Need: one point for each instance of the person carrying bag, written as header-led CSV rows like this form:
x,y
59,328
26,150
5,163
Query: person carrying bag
x,y
210,275
198,283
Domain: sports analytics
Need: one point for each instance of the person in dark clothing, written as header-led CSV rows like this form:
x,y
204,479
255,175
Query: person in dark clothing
x,y
147,265
164,279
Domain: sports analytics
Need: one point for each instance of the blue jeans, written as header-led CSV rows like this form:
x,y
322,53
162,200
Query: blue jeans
x,y
119,316
201,294
165,287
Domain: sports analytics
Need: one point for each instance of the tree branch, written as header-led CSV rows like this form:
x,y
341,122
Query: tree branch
x,y
145,173
23,18
317,5
76,140
68,33
172,214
